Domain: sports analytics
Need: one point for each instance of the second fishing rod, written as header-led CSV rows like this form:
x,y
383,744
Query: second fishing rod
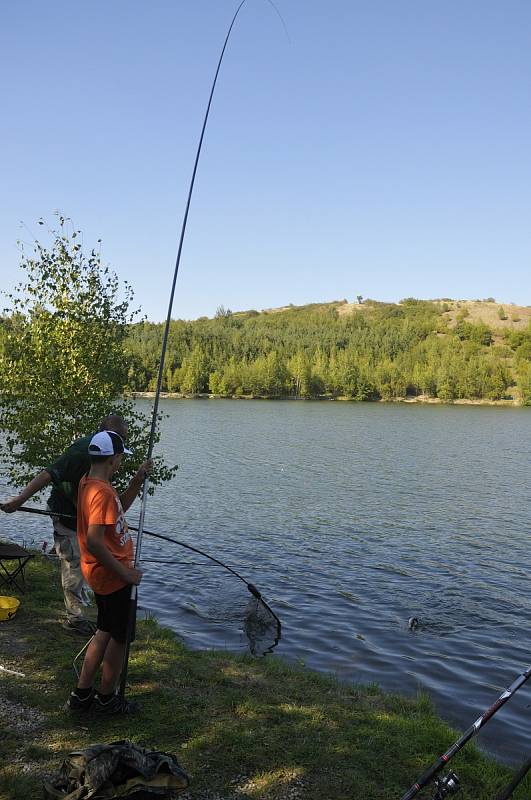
x,y
450,784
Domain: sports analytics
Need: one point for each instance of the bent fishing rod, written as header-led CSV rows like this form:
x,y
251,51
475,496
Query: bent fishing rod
x,y
250,586
215,561
450,784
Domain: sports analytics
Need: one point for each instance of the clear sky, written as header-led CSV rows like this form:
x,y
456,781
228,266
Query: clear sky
x,y
384,149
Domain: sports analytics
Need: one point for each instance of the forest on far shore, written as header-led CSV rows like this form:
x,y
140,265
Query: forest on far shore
x,y
372,351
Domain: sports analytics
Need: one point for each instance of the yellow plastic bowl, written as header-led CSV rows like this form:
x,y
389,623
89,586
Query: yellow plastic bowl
x,y
8,607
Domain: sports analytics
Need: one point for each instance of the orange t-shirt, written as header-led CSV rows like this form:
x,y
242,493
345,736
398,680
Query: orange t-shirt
x,y
99,504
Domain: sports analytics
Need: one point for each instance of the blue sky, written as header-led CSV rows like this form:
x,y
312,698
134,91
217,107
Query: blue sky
x,y
383,150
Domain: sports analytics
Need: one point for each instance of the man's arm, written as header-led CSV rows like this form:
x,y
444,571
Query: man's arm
x,y
97,547
127,498
39,482
55,473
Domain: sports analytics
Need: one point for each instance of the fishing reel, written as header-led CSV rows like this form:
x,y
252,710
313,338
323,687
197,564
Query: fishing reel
x,y
450,784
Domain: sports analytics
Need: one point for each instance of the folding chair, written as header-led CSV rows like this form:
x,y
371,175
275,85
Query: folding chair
x,y
13,560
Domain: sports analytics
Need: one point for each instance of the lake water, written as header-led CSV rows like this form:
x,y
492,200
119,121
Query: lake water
x,y
351,518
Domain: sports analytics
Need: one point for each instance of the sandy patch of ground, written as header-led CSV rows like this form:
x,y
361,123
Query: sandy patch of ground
x,y
489,313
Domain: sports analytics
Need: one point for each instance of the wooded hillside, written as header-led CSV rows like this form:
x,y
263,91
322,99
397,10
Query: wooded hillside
x,y
442,349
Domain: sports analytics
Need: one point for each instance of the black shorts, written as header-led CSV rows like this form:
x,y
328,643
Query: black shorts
x,y
113,613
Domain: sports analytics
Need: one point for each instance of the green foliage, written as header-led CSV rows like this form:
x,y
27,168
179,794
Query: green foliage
x,y
63,364
300,371
524,383
523,351
501,313
384,351
193,374
502,351
519,341
474,332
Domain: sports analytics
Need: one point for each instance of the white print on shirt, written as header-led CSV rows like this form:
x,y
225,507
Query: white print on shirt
x,y
121,525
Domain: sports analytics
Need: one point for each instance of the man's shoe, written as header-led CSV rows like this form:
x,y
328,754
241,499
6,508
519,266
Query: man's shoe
x,y
81,626
115,705
77,703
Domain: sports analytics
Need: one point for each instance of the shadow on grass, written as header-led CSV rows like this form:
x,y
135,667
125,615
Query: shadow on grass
x,y
242,728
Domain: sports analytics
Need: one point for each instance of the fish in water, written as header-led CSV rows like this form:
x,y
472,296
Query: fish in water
x,y
413,623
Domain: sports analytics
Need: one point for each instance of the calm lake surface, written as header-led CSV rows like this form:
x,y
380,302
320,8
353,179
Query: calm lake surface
x,y
351,518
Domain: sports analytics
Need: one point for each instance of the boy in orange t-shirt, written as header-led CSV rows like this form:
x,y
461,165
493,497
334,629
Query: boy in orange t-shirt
x,y
107,558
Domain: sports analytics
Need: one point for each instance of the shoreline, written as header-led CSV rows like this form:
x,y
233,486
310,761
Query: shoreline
x,y
419,400
241,727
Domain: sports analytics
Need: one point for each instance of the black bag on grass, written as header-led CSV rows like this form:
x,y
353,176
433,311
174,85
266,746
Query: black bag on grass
x,y
117,770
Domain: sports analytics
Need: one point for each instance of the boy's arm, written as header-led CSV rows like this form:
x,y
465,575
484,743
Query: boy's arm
x,y
97,547
127,498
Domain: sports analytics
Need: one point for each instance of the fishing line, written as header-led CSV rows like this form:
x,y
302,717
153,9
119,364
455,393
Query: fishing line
x,y
261,625
154,418
250,586
260,621
176,563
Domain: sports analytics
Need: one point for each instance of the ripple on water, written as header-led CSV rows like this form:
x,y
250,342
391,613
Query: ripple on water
x,y
352,518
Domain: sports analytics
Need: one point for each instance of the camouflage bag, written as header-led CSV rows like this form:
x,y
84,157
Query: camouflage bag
x,y
117,770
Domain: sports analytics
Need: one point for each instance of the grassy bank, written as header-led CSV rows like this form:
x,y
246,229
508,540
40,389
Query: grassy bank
x,y
241,727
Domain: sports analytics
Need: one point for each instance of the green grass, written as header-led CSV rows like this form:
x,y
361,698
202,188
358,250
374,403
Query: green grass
x,y
241,727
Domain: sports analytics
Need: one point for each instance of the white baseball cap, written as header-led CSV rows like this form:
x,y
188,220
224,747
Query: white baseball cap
x,y
107,443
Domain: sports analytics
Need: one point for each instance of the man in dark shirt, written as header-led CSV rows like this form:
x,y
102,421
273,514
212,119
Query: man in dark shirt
x,y
65,475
